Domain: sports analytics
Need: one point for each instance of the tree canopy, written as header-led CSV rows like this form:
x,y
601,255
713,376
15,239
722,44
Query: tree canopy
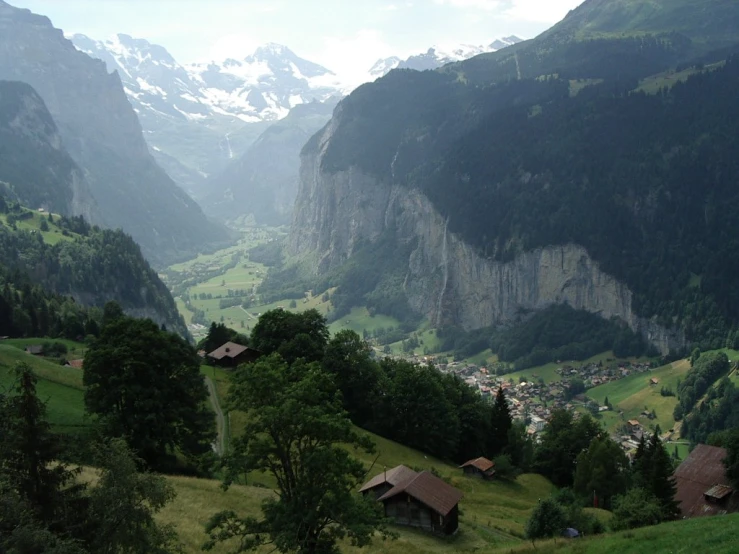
x,y
145,386
297,431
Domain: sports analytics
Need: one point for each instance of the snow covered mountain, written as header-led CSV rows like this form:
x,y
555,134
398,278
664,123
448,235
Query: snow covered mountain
x,y
197,118
436,56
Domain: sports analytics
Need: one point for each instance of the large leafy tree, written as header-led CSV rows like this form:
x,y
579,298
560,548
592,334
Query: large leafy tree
x,y
348,359
297,431
636,508
145,386
500,424
602,470
292,335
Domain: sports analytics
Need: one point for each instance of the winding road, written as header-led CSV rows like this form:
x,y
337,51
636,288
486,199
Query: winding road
x,y
220,445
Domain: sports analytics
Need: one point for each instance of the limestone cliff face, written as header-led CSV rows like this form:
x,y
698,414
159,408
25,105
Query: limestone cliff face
x,y
447,280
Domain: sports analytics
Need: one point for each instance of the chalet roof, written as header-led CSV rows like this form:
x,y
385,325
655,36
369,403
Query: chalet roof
x,y
77,364
428,489
228,350
700,473
633,422
719,491
483,464
35,349
392,476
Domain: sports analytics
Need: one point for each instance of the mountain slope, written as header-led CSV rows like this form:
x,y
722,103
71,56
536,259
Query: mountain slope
x,y
69,257
264,181
495,200
28,135
102,134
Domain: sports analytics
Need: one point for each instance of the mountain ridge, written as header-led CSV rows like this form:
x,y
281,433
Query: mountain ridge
x,y
472,142
103,136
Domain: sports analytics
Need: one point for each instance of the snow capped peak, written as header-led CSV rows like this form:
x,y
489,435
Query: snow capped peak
x,y
439,55
272,49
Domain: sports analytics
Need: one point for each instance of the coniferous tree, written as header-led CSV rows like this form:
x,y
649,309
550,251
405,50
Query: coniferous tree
x,y
500,423
662,481
29,452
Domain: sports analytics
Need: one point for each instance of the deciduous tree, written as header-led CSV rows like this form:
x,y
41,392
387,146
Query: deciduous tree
x,y
298,431
145,386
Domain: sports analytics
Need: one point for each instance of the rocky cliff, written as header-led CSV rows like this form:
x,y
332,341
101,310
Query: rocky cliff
x,y
34,164
103,136
447,280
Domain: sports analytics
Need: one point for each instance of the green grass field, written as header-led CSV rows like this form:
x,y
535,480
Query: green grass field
x,y
60,387
54,233
634,394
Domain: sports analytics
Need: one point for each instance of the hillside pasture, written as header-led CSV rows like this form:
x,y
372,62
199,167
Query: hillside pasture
x,y
634,394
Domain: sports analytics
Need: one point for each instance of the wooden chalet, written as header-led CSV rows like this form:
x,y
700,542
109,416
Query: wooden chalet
x,y
424,501
231,355
481,468
702,486
380,484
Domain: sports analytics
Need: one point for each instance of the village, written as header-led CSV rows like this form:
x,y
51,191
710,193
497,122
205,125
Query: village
x,y
532,401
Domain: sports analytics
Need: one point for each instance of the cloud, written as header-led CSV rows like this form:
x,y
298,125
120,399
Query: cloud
x,y
352,56
236,46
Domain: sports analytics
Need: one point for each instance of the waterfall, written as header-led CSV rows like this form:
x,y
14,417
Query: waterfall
x,y
445,273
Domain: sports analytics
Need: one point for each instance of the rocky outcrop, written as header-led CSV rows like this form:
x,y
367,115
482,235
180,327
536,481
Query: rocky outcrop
x,y
33,161
447,280
103,136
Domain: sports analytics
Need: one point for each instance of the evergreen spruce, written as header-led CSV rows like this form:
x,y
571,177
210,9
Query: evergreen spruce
x,y
500,423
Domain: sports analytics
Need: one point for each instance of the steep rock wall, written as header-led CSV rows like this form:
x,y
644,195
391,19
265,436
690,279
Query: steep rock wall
x,y
447,280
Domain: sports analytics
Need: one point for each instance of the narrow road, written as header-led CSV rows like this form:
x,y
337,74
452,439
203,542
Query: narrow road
x,y
220,445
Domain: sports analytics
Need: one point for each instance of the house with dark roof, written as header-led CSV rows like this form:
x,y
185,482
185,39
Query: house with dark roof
x,y
419,500
702,486
481,468
380,484
232,355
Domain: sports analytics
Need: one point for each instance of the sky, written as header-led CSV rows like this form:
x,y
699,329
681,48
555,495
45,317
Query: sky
x,y
343,35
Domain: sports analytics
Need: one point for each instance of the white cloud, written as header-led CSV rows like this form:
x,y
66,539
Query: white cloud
x,y
237,46
352,56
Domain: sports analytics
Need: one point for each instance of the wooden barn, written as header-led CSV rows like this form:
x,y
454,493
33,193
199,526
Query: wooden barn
x,y
424,501
380,484
702,486
230,355
481,468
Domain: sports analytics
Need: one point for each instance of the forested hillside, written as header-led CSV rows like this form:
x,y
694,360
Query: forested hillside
x,y
644,182
69,257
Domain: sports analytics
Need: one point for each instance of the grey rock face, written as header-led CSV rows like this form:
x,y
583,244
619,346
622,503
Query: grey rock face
x,y
33,161
102,134
447,280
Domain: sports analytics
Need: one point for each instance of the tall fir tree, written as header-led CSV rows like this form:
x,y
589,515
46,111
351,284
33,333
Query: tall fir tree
x,y
653,472
29,453
500,423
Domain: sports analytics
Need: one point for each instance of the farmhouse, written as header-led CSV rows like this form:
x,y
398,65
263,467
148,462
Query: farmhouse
x,y
232,355
424,501
382,483
702,486
481,468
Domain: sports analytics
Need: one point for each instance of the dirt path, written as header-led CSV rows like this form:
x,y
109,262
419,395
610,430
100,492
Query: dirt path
x,y
220,445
